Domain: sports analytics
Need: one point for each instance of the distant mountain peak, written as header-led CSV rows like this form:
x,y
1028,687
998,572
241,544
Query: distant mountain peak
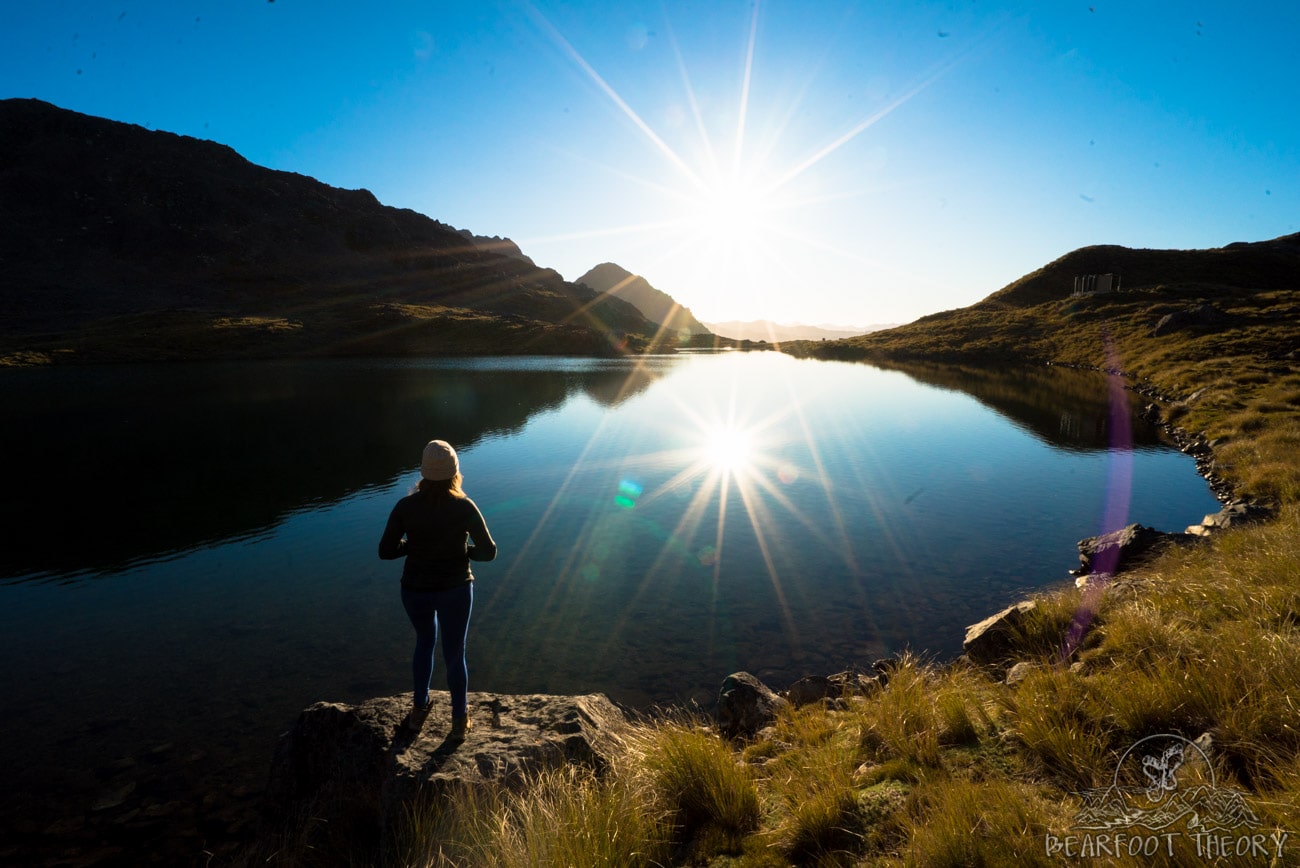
x,y
608,278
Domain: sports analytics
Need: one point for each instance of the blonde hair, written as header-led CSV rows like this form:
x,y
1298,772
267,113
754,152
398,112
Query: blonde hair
x,y
441,487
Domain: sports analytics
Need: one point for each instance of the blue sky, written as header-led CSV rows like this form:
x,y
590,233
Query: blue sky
x,y
818,162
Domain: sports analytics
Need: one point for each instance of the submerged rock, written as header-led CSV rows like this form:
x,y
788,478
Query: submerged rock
x,y
357,769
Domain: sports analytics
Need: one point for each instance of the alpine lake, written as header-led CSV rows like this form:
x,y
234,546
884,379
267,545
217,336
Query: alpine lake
x,y
190,553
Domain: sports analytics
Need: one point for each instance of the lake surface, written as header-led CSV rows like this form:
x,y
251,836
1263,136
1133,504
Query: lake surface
x,y
191,550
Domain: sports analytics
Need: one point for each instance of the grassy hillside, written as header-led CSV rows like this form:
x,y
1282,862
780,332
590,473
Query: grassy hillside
x,y
1035,319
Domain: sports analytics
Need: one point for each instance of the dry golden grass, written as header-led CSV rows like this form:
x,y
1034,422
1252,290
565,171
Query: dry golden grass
x,y
699,781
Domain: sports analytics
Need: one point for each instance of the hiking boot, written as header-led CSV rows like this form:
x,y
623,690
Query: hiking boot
x,y
460,726
415,718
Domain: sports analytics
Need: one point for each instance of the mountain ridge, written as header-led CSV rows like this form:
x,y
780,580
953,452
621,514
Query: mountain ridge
x,y
1212,297
130,243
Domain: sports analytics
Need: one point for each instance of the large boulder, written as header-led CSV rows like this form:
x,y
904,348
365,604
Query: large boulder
x,y
1125,548
993,641
830,688
746,705
355,768
1202,315
812,688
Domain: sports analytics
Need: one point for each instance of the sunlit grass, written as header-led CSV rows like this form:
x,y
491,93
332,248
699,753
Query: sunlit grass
x,y
920,710
1053,716
817,821
962,823
560,817
700,781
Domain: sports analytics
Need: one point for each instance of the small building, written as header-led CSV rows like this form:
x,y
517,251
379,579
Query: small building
x,y
1095,284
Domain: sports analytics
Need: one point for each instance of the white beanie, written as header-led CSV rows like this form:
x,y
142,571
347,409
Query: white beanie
x,y
439,461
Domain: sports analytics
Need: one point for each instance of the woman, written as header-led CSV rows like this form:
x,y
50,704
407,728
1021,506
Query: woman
x,y
431,528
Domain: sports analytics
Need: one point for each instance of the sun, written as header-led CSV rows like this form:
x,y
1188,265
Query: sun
x,y
738,204
728,449
730,212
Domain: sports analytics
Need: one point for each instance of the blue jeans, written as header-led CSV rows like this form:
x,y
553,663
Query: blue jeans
x,y
445,612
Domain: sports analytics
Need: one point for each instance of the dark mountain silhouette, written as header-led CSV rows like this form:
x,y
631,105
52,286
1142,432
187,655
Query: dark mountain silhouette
x,y
657,306
121,242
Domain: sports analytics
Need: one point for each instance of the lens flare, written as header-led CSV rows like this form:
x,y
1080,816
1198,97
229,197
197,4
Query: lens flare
x,y
628,492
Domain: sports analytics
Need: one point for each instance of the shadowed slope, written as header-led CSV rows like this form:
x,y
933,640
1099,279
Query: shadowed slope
x,y
224,258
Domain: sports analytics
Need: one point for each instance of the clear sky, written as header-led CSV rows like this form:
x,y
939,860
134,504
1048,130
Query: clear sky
x,y
819,162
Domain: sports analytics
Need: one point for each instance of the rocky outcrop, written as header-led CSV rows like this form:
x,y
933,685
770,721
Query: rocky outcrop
x,y
1201,315
497,244
1234,514
746,705
1125,548
355,768
831,689
993,640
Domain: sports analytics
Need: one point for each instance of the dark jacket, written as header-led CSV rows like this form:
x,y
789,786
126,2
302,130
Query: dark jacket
x,y
433,534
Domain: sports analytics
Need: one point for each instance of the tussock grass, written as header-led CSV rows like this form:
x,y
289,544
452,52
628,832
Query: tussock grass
x,y
1054,717
561,817
966,823
922,709
903,721
700,781
1048,632
819,821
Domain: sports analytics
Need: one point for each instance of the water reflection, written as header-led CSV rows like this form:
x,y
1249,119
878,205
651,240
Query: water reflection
x,y
109,465
170,458
1065,407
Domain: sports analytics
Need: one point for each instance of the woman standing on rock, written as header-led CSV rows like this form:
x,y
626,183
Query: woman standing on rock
x,y
432,528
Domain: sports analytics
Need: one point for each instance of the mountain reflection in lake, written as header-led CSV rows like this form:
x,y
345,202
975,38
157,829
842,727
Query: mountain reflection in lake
x,y
193,548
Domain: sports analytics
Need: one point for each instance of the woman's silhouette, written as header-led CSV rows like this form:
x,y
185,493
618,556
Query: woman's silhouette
x,y
432,528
